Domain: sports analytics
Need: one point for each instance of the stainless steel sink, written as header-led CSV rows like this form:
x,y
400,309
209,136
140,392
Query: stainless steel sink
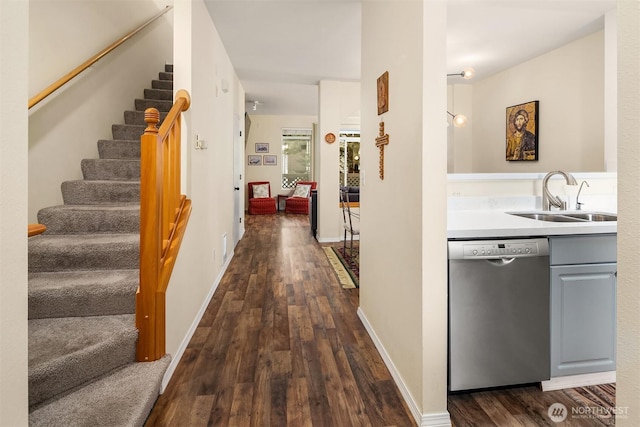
x,y
567,216
593,216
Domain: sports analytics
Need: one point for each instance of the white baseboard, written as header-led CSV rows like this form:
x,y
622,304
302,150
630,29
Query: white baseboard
x,y
440,419
175,359
583,380
334,239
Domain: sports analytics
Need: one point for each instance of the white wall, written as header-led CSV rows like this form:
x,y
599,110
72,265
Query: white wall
x,y
268,129
628,298
66,127
460,140
13,211
338,105
403,217
200,67
569,83
434,217
611,91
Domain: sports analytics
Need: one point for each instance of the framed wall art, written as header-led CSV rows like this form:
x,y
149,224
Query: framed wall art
x,y
262,147
269,160
383,93
255,160
522,131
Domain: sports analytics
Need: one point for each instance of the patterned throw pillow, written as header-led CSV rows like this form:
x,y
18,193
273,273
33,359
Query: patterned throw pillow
x,y
302,190
261,191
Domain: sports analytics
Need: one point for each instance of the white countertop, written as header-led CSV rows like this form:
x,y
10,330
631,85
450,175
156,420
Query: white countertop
x,y
472,224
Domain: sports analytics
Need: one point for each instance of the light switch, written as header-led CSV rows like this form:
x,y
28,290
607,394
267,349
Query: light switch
x,y
200,143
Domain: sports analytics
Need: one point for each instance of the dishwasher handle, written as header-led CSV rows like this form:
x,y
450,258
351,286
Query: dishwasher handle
x,y
500,262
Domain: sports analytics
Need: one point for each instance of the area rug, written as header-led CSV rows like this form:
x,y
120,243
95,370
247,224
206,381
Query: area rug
x,y
346,276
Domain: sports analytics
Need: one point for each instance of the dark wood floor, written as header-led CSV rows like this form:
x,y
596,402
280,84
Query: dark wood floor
x,y
529,406
281,345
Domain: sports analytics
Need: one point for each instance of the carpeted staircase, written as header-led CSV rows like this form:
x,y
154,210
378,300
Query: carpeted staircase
x,y
83,276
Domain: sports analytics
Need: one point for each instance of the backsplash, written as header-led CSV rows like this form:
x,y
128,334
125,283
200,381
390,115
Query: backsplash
x,y
524,192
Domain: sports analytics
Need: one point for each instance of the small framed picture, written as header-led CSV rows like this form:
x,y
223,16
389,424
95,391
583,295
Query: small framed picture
x,y
255,160
262,147
270,160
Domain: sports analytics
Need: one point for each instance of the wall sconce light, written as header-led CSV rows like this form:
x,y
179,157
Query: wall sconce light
x,y
255,105
459,120
466,74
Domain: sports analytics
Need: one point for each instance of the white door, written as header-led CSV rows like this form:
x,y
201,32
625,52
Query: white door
x,y
238,186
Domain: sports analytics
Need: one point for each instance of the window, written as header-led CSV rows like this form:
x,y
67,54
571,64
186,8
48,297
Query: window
x,y
296,156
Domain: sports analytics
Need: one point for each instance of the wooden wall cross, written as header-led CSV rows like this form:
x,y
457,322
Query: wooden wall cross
x,y
381,141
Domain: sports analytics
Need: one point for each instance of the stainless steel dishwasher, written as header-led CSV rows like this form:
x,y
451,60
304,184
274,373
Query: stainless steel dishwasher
x,y
498,313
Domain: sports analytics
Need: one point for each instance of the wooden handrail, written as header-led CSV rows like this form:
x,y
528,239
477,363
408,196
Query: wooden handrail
x,y
164,214
89,62
35,229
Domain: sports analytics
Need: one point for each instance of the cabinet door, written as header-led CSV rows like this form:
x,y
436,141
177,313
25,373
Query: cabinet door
x,y
583,319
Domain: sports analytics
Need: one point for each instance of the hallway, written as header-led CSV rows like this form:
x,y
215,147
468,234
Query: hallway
x,y
280,344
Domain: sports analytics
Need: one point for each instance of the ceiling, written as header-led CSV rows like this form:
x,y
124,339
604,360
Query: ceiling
x,y
281,49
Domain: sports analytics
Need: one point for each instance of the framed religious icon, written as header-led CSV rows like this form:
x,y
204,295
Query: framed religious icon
x,y
522,131
383,93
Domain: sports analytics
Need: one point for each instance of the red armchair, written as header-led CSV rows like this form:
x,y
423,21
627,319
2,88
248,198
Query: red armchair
x,y
260,200
298,203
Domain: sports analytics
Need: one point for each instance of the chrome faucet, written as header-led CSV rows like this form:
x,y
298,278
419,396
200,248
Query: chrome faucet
x,y
578,204
549,199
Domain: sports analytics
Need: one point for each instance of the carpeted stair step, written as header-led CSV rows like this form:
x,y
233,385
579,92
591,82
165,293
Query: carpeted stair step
x,y
110,169
168,68
137,118
162,84
128,132
124,398
83,192
83,252
89,219
67,352
160,94
143,104
82,293
165,75
119,149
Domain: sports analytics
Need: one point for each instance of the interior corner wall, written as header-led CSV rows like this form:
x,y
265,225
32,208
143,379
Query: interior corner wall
x,y
571,121
201,260
338,105
434,215
611,91
14,399
268,129
628,294
391,226
65,127
460,139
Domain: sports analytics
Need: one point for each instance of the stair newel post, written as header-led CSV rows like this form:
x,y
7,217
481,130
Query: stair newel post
x,y
149,308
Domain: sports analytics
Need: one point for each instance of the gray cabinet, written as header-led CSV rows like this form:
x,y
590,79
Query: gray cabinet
x,y
583,304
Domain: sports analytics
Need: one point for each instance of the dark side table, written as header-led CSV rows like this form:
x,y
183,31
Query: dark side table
x,y
281,198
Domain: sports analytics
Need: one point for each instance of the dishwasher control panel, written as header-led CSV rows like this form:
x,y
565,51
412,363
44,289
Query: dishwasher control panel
x,y
498,249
